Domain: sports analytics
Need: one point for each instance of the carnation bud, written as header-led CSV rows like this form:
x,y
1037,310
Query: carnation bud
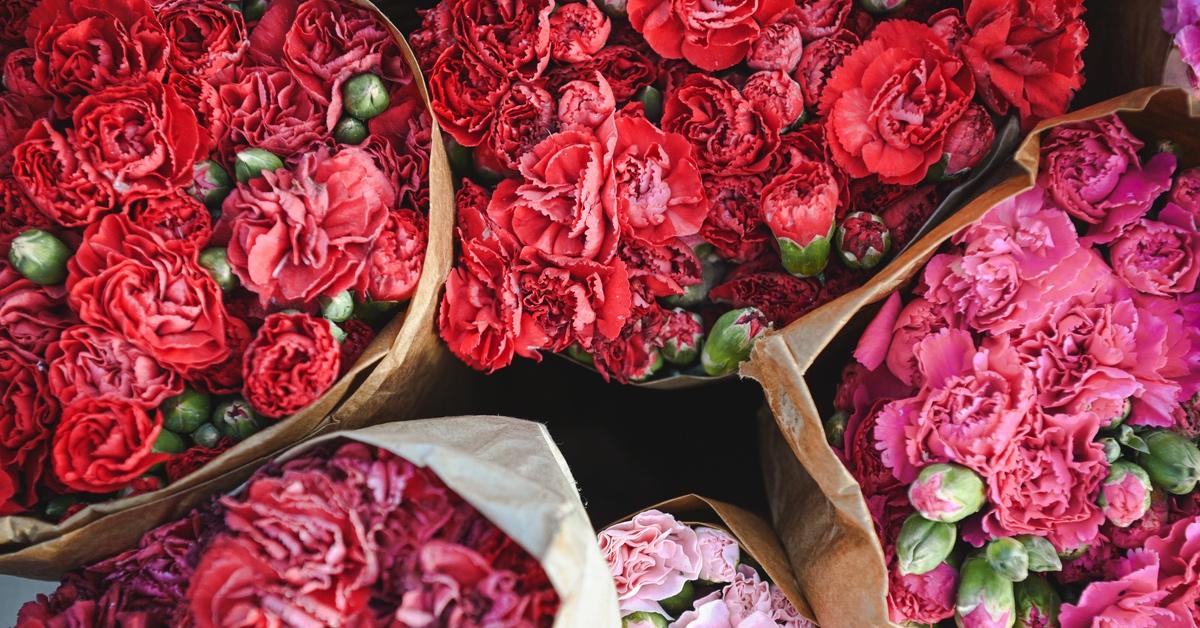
x,y
644,619
336,330
206,436
967,143
216,261
253,10
683,349
236,419
1008,557
375,312
252,162
1173,462
652,102
1037,603
210,184
59,507
881,6
863,240
681,601
339,307
1112,449
365,96
39,257
1116,421
1042,555
731,338
924,544
835,429
985,598
711,271
186,411
1130,439
946,492
806,261
656,364
350,130
169,442
1125,493
579,354
615,8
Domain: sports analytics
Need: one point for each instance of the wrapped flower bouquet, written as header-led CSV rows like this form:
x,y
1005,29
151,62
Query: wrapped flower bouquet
x,y
640,177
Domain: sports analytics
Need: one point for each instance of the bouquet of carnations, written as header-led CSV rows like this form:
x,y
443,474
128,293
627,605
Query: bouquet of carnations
x,y
1021,421
641,175
209,210
725,573
424,523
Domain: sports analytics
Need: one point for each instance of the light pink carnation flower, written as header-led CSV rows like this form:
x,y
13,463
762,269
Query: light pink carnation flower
x,y
651,557
719,552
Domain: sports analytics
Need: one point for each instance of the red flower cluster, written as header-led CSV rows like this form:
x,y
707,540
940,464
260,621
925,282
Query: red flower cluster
x,y
351,535
153,303
612,178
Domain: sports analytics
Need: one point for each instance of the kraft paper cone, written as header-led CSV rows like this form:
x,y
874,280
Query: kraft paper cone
x,y
755,536
406,356
818,509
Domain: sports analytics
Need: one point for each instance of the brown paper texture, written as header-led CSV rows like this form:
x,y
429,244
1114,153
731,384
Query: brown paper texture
x,y
754,535
514,474
406,355
817,507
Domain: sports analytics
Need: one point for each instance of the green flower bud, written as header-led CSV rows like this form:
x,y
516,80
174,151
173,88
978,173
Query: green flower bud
x,y
712,269
806,261
1173,461
1037,603
985,598
881,6
39,257
683,348
339,334
169,442
652,102
339,308
350,130
57,508
946,492
376,313
615,8
184,412
835,429
253,10
1125,494
1008,557
216,261
252,162
731,338
206,436
1042,555
365,96
924,544
210,184
236,419
656,364
681,601
1112,449
644,619
579,354
1130,439
863,240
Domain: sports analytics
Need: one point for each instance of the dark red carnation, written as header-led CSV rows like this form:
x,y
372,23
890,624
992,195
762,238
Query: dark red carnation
x,y
190,461
16,74
127,280
101,445
633,355
734,224
400,142
15,120
14,17
206,36
17,213
433,37
266,107
660,269
177,216
27,412
907,215
780,296
903,65
472,222
85,46
479,315
626,69
62,186
777,97
225,377
358,336
525,117
820,59
511,38
567,300
465,96
397,255
31,315
862,457
728,134
292,361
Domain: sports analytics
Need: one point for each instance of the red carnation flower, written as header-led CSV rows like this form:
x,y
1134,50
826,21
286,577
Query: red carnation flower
x,y
329,41
566,300
728,134
822,18
176,216
27,411
658,187
31,315
626,69
293,360
578,30
525,117
394,265
267,108
206,36
88,362
57,181
511,38
101,445
661,269
465,96
709,36
479,315
820,59
781,297
17,214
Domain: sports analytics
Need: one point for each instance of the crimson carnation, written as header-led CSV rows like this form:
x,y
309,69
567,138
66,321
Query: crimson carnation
x,y
88,362
658,187
465,96
394,265
625,68
304,233
17,213
511,38
101,445
660,269
734,224
175,216
781,297
524,118
206,36
292,361
31,315
820,59
578,30
728,134
59,183
329,41
27,412
565,300
901,62
266,107
711,37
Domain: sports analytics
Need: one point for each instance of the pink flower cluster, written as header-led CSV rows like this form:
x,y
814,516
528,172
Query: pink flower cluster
x,y
692,576
351,535
1063,319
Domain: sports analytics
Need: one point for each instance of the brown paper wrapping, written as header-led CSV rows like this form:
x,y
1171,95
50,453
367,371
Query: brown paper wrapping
x,y
818,509
406,356
755,536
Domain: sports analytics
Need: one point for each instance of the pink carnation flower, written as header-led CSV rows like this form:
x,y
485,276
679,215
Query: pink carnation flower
x,y
720,553
1135,599
651,557
747,602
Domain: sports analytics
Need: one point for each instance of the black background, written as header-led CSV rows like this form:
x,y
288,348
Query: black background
x,y
630,448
